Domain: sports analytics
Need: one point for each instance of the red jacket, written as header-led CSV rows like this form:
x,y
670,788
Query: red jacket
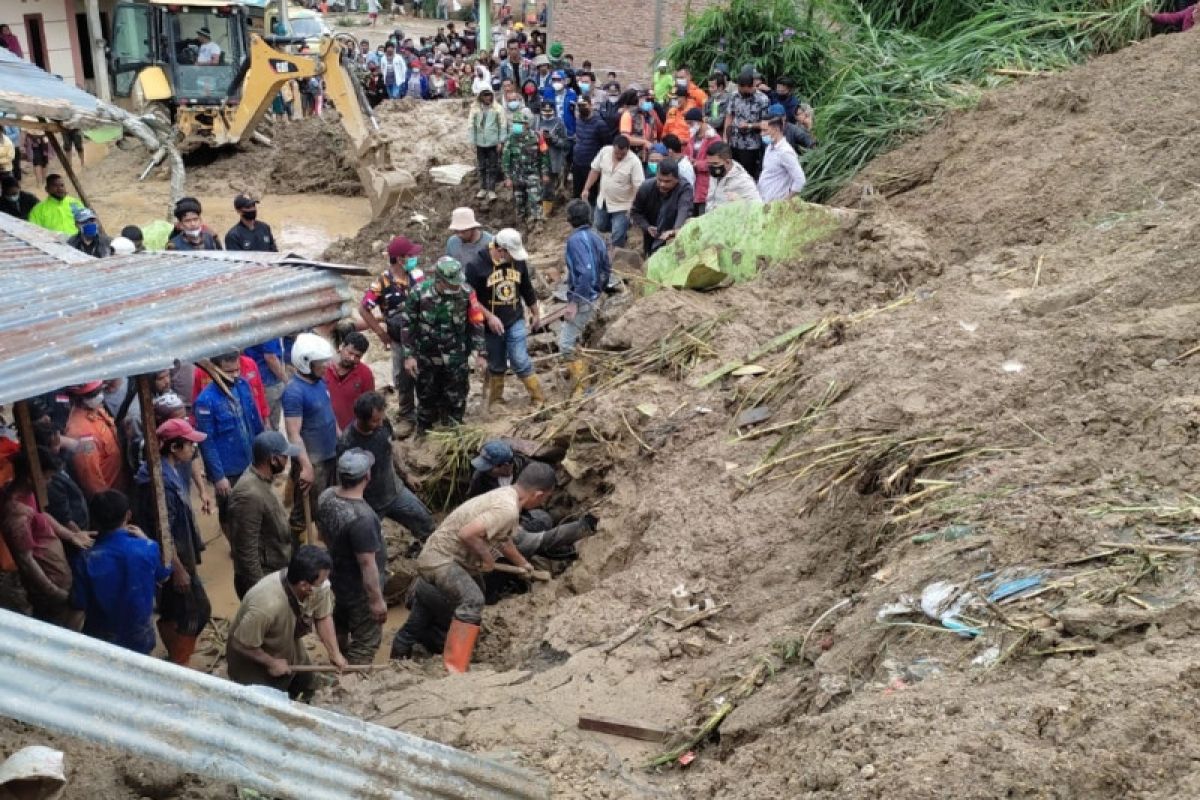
x,y
250,373
699,156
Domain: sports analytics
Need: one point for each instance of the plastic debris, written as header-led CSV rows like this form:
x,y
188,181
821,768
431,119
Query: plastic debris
x,y
1014,587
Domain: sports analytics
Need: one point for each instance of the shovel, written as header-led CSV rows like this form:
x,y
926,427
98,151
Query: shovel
x,y
536,575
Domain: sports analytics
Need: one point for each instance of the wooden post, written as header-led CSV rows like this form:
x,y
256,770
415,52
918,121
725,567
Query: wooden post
x,y
67,168
29,444
154,463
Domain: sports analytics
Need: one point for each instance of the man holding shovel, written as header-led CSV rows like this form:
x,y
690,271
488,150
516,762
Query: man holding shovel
x,y
460,551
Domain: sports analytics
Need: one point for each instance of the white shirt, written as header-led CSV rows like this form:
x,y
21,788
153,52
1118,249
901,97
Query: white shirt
x,y
210,54
686,171
483,79
619,181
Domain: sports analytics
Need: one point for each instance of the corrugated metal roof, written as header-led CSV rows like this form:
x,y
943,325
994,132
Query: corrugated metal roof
x,y
249,736
27,90
67,318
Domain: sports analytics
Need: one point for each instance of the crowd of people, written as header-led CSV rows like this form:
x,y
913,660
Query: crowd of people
x,y
306,409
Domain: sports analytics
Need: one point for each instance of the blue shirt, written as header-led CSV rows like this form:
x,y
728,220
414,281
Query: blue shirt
x,y
318,428
114,585
259,353
231,426
588,267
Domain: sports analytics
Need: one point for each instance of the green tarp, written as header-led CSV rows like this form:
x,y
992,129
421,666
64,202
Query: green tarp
x,y
735,240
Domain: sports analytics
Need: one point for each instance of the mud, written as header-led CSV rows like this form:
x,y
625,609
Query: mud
x,y
1021,304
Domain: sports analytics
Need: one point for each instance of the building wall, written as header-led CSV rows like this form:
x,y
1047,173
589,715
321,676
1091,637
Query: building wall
x,y
58,22
619,35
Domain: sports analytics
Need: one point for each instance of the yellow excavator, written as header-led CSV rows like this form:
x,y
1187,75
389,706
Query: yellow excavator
x,y
197,66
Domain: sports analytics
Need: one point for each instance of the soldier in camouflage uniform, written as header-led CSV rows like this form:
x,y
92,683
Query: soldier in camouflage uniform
x,y
442,325
526,162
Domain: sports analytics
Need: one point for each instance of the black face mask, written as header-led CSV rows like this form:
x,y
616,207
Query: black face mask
x,y
250,216
717,172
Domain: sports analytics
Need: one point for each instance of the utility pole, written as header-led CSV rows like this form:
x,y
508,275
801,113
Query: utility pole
x,y
99,56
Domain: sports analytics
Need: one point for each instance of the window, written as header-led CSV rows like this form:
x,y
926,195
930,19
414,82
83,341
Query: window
x,y
131,46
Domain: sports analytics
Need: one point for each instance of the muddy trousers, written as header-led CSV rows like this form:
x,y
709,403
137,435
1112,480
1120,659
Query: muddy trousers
x,y
428,620
323,475
408,510
358,633
527,197
488,159
462,590
406,387
557,542
441,393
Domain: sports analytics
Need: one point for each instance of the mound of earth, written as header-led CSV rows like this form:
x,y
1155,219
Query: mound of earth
x,y
980,388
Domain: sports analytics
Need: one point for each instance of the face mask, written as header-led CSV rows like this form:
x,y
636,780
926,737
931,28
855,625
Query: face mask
x,y
694,130
94,402
410,263
89,229
585,87
13,197
652,168
717,172
647,106
558,87
192,234
518,128
767,140
513,105
250,216
681,83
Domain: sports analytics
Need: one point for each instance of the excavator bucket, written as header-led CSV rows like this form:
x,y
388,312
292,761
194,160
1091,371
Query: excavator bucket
x,y
385,185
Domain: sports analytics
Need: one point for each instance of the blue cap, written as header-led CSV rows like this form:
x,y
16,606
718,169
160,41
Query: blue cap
x,y
776,110
83,214
494,454
558,75
659,148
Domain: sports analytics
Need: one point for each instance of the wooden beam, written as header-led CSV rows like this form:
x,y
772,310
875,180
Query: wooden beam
x,y
154,464
29,445
616,727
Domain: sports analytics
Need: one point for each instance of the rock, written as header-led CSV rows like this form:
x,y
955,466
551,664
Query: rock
x,y
693,645
867,772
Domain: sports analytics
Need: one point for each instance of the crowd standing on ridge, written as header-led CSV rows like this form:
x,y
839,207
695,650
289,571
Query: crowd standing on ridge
x,y
290,443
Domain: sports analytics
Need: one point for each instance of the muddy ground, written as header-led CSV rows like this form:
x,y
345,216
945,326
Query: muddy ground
x,y
1001,386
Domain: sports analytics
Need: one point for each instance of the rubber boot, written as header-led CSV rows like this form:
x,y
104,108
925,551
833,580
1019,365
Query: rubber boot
x,y
534,387
495,390
460,643
578,372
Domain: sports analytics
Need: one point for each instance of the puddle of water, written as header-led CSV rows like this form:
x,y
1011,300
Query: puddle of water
x,y
303,223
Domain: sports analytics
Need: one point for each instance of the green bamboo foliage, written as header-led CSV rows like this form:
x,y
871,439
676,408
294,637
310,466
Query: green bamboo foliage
x,y
879,72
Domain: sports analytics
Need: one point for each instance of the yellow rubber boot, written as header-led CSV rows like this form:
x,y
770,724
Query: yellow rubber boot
x,y
534,387
495,390
578,372
460,643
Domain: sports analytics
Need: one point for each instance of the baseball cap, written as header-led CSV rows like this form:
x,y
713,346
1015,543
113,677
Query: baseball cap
x,y
509,240
402,247
556,50
663,64
84,214
694,115
493,454
273,443
244,201
84,389
450,270
660,148
179,429
122,246
558,75
463,219
355,463
776,110
167,403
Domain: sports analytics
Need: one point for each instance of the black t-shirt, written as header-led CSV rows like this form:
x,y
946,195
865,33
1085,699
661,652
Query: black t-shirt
x,y
500,288
259,240
383,487
349,527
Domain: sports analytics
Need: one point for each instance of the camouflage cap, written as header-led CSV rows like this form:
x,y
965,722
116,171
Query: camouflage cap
x,y
450,270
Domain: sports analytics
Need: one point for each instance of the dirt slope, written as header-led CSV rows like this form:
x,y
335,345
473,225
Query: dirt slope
x,y
1025,391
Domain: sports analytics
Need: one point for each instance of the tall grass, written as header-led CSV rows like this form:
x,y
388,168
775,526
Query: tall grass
x,y
880,71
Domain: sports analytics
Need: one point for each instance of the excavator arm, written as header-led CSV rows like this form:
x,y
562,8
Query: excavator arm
x,y
269,69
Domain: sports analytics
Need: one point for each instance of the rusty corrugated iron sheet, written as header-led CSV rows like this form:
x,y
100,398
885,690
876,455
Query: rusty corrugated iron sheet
x,y
66,318
253,737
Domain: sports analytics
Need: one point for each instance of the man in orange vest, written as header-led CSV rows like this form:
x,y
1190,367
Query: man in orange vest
x,y
97,459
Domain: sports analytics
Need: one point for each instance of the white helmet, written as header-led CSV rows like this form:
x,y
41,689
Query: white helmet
x,y
310,347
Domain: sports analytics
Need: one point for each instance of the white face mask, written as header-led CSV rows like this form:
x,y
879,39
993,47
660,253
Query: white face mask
x,y
694,130
94,402
558,87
